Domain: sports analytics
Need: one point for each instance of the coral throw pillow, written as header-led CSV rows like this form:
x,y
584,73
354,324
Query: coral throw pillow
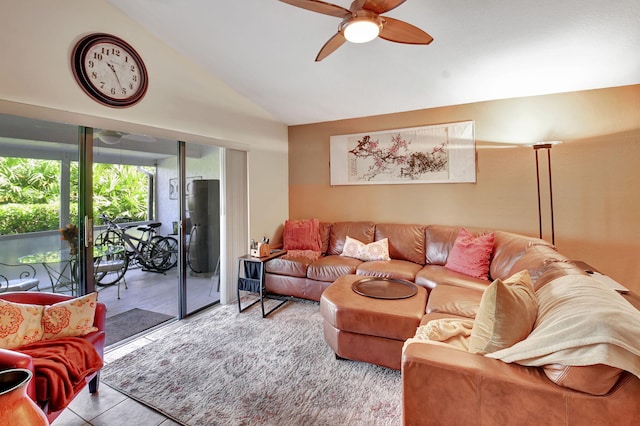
x,y
470,255
301,235
20,324
70,318
377,250
507,313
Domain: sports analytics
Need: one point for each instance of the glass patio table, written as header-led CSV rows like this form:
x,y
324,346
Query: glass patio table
x,y
64,277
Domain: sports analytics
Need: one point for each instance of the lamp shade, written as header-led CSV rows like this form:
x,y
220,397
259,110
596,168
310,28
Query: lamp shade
x,y
361,30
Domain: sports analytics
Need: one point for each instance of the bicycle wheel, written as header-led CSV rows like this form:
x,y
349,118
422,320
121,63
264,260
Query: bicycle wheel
x,y
109,237
173,249
160,254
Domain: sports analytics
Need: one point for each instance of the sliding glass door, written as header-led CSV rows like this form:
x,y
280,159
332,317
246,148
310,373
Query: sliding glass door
x,y
151,211
136,263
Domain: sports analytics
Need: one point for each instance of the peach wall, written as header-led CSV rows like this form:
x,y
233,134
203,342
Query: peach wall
x,y
596,175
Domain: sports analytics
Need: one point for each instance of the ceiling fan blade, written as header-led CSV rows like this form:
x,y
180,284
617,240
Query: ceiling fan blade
x,y
381,6
320,7
357,5
402,32
331,46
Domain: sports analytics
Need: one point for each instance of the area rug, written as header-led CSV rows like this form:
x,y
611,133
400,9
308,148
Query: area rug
x,y
226,368
130,323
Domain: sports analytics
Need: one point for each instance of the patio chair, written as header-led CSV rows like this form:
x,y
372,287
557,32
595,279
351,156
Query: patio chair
x,y
21,277
110,269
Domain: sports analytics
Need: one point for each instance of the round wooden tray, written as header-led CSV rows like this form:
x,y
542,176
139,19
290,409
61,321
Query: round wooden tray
x,y
384,288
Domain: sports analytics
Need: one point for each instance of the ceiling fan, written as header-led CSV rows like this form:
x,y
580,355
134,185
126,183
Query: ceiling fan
x,y
362,22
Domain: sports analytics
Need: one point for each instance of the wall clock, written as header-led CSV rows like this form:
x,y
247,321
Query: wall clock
x,y
109,70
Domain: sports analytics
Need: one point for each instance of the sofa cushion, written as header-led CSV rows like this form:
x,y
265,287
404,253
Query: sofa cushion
x,y
330,268
20,324
439,240
73,317
596,379
377,250
535,260
406,242
325,235
458,301
301,235
508,248
470,255
431,276
399,269
290,265
506,316
361,231
554,269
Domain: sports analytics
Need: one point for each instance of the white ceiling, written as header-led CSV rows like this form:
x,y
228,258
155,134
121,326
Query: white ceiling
x,y
483,50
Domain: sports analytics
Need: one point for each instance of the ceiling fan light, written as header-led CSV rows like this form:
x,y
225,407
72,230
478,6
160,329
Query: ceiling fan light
x,y
109,137
361,30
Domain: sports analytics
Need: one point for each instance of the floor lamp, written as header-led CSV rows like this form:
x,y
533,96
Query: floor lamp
x,y
547,147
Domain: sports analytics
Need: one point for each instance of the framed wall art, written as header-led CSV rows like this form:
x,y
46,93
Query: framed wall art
x,y
173,186
443,153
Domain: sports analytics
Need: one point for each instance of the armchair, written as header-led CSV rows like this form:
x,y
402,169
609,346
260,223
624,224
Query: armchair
x,y
17,277
13,359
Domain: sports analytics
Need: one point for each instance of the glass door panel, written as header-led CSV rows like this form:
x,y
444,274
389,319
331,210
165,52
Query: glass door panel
x,y
203,200
137,277
38,197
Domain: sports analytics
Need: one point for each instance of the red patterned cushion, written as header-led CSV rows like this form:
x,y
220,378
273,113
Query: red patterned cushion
x,y
301,235
470,255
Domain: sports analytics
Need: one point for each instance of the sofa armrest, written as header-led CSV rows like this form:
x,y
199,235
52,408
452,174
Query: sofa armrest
x,y
475,390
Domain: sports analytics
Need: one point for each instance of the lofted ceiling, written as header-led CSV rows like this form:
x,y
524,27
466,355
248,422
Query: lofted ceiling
x,y
482,50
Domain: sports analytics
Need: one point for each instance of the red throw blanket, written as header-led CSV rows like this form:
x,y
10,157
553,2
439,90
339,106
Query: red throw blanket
x,y
61,366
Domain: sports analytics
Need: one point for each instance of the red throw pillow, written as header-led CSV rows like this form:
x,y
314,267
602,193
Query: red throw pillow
x,y
470,255
301,235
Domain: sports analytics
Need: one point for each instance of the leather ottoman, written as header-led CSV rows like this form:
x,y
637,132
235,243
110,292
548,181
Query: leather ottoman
x,y
367,329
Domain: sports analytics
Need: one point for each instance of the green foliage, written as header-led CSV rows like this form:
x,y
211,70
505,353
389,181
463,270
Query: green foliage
x,y
30,193
25,180
22,218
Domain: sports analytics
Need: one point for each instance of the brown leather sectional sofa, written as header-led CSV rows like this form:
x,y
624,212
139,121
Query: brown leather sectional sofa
x,y
442,384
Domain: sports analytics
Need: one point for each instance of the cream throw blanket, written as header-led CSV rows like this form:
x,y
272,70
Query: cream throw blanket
x,y
580,322
452,331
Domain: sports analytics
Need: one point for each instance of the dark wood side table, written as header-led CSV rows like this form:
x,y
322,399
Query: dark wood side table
x,y
251,278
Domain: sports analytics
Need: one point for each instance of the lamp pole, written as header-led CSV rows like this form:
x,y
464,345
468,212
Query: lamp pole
x,y
537,147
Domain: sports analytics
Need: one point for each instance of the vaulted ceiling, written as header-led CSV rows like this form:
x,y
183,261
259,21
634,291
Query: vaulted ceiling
x,y
482,50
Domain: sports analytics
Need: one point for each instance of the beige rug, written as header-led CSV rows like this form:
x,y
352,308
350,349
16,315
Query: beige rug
x,y
240,369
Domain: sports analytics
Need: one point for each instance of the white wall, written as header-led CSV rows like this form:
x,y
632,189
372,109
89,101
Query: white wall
x,y
182,102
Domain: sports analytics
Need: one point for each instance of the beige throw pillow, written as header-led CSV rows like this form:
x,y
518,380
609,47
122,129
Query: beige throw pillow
x,y
20,324
73,317
507,313
377,250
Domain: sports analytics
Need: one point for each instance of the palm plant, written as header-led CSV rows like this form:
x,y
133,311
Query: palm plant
x,y
30,193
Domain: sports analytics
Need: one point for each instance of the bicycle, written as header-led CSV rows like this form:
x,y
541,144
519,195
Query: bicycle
x,y
152,252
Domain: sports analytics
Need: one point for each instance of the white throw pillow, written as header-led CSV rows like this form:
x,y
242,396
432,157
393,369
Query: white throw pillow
x,y
377,250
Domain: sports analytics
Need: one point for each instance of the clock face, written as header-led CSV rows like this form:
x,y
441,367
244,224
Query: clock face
x,y
109,70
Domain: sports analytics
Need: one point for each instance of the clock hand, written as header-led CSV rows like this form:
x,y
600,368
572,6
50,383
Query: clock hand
x,y
115,73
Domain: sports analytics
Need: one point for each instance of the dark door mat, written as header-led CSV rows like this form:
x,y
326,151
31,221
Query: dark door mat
x,y
132,322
